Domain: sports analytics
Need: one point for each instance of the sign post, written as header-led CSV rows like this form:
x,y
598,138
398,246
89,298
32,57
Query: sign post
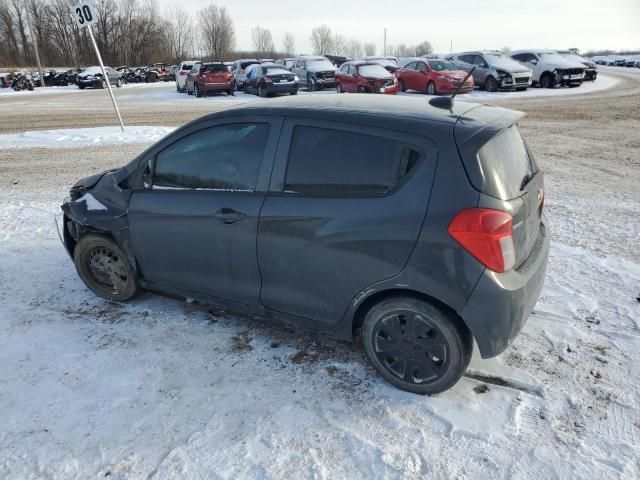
x,y
85,15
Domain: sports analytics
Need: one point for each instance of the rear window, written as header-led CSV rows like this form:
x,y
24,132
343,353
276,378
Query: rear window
x,y
244,65
329,162
506,163
187,66
375,71
219,67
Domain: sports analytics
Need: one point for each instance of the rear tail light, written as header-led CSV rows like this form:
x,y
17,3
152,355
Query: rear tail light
x,y
267,80
487,235
183,74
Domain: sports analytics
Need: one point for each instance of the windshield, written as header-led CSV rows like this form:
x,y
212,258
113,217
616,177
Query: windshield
x,y
216,68
506,162
501,61
375,71
441,66
321,64
553,56
91,71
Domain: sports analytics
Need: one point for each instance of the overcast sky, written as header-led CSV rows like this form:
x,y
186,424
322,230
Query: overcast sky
x,y
471,24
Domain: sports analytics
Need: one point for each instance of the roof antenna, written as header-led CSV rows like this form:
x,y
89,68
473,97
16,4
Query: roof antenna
x,y
447,102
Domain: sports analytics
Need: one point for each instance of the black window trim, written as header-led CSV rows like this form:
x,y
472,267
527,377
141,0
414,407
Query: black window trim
x,y
278,178
148,159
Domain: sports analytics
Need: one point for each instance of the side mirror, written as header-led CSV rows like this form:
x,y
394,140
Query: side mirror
x,y
533,61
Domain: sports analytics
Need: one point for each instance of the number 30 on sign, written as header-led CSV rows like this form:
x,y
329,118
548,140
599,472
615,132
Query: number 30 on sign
x,y
84,14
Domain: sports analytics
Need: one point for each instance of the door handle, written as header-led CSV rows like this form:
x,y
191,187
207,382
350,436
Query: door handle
x,y
229,215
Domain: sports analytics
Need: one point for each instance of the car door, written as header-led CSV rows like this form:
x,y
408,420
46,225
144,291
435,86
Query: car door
x,y
481,71
422,73
408,76
193,227
344,211
341,76
300,71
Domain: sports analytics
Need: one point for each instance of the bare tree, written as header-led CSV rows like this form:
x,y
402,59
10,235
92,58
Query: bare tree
x,y
262,41
338,45
353,48
288,44
321,40
369,49
180,33
423,48
217,31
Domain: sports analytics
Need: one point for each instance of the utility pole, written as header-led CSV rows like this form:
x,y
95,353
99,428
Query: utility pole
x,y
451,47
35,46
384,47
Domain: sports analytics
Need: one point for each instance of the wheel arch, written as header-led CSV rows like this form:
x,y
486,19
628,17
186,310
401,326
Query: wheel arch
x,y
381,295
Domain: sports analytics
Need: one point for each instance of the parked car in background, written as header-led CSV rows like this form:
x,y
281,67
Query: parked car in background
x,y
423,231
286,62
433,76
92,77
365,77
238,68
266,79
315,72
183,72
590,67
493,70
390,63
211,77
550,68
337,60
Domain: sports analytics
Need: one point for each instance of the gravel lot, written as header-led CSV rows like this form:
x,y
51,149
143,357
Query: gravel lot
x,y
159,388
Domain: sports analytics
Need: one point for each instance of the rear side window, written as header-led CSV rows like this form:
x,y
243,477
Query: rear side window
x,y
225,157
324,161
506,163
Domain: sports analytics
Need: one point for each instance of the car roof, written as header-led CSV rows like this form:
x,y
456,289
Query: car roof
x,y
533,50
371,106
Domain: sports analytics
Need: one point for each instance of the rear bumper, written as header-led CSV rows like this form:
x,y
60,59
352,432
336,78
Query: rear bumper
x,y
281,87
501,303
216,87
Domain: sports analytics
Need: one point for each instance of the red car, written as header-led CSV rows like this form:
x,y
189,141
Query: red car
x,y
365,77
209,77
433,76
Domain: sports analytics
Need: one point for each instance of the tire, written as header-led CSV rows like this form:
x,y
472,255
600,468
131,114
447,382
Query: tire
x,y
260,92
231,93
103,84
294,92
119,83
547,80
491,84
81,87
189,92
415,345
401,85
339,88
104,268
197,91
431,89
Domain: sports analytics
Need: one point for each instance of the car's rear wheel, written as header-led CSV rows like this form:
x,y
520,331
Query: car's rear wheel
x,y
402,86
230,93
415,345
197,91
261,92
547,80
104,268
338,88
119,83
294,92
311,86
431,88
491,84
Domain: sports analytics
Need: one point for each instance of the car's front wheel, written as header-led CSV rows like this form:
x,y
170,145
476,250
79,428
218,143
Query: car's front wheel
x,y
415,345
104,268
431,88
547,80
491,84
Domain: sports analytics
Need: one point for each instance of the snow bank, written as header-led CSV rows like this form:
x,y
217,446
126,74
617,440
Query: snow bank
x,y
79,137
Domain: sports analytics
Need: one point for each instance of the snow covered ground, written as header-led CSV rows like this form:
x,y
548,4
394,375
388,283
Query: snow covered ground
x,y
161,388
79,137
74,89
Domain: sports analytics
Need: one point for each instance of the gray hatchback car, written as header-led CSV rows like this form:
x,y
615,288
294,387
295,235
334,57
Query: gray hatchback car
x,y
493,70
417,227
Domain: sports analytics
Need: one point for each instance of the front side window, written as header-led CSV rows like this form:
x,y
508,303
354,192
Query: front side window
x,y
324,161
225,157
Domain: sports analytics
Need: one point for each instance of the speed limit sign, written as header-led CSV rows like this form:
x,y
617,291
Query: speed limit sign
x,y
84,14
